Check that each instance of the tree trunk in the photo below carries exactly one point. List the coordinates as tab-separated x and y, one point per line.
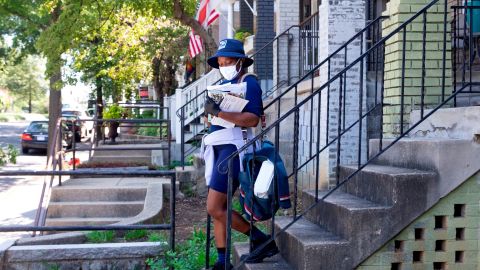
180	15
29	98
169	75
156	78
54	110
99	106
55	98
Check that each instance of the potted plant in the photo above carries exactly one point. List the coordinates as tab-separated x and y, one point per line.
113	112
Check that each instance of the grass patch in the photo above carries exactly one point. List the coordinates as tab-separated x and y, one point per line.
135	235
189	255
100	237
18	117
157	237
3	118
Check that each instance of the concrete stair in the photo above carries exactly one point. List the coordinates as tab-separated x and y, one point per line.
135	156
94	209
86	205
81	193
80	221
343	230
122	158
379	201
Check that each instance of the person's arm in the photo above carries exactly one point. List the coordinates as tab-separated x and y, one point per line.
242	119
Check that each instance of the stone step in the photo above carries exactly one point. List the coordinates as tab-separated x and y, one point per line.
343	214
71	221
94	209
453	160
123	158
276	262
87	194
123	153
385	185
305	245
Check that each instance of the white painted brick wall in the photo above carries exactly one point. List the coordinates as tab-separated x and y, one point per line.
339	21
287	15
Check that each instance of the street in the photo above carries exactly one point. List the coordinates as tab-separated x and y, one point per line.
22	194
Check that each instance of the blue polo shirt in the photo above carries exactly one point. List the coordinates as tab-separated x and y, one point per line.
253	95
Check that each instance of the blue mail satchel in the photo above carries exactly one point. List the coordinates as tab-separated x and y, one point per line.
264	208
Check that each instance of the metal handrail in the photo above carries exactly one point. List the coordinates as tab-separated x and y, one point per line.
88	172
180	112
326	60
253	55
341	131
52	162
162	123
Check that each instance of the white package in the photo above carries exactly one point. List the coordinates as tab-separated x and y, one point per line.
264	179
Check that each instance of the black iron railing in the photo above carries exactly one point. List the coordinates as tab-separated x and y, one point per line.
92	172
307	35
54	169
162	126
349	134
466	45
309	44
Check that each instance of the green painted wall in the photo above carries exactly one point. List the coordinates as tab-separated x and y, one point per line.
455	246
400	11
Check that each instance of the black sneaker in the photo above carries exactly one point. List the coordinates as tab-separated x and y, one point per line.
258	255
221	266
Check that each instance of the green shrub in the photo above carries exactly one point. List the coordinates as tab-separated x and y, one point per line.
241	34
152	129
189	255
8	155
135	235
113	111
148	114
157	237
100	236
18	117
3	118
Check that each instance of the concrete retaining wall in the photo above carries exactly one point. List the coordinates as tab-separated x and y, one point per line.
83	256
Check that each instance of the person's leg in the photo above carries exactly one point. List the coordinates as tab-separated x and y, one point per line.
217	202
217	208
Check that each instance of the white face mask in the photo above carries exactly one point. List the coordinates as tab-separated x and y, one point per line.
230	72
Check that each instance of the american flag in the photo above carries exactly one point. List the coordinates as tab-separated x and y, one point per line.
206	15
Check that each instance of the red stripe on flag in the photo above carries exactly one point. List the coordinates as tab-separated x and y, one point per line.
213	16
195	44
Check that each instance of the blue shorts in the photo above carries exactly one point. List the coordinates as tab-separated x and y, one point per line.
219	180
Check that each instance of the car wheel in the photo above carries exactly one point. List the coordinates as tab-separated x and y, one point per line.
25	150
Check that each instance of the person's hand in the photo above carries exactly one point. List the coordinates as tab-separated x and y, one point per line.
211	107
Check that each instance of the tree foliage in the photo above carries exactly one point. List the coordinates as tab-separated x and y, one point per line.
25	81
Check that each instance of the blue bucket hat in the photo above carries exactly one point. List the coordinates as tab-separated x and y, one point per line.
230	48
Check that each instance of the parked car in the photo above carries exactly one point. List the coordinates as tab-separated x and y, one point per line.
35	136
78	130
87	126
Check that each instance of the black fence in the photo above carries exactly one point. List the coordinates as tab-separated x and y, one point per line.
40	227
54	170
